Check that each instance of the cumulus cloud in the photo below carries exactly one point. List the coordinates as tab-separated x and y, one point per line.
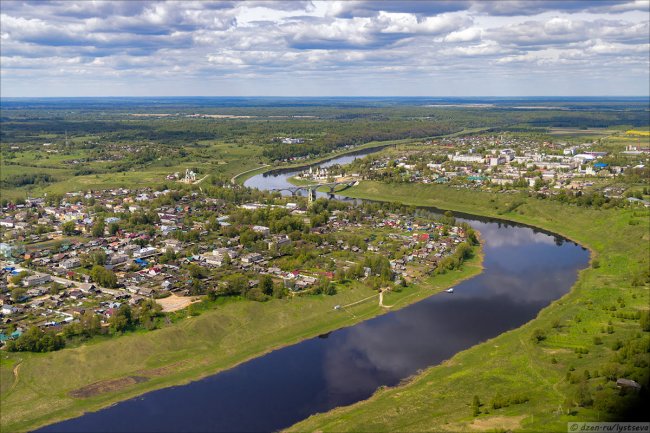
367	32
350	9
466	35
308	44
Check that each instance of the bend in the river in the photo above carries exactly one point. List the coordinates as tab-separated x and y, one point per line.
525	269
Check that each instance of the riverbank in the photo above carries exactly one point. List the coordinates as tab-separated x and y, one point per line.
241	178
99	374
249	173
542	379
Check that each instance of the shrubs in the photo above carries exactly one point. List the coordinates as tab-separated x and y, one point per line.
581	396
103	276
266	285
476	406
256	294
35	340
279	291
463	252
644	321
194	309
499	401
325	286
538	336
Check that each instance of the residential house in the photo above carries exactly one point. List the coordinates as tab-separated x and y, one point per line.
35	280
71	263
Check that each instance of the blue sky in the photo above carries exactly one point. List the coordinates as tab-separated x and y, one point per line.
312	48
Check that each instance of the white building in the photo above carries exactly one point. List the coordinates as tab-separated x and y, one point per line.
262	229
467	158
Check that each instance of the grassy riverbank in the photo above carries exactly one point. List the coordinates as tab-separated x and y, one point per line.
580	332
244	176
35	388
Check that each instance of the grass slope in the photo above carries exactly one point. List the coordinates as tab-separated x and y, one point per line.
188	350
440	398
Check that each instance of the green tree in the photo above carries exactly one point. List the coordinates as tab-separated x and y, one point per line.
113	228
17	293
196	271
16	279
94	257
330	290
266	284
35	340
98	228
122	319
90	323
168	256
68	228
279	291
147	313
103	276
227	261
236	284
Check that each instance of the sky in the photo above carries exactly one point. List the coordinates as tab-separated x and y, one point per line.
325	48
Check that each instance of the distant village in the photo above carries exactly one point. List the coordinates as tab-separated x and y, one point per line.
489	162
93	252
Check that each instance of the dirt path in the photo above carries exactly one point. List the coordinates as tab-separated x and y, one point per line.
16	374
542	378
358	302
381	298
201	180
233	180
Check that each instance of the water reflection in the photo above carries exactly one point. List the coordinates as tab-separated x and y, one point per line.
495	239
345	366
277	179
525	269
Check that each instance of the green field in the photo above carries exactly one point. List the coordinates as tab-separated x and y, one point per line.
216	158
35	389
440	398
219	338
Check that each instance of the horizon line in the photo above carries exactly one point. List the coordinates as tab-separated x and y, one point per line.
327	96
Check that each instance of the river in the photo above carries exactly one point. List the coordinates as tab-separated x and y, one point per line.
525	270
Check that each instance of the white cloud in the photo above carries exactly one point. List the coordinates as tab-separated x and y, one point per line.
482	49
466	35
600	47
306	45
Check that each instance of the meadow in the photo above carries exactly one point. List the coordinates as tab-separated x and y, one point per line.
38	389
523	382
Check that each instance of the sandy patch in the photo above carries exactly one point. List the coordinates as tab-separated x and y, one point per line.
175	303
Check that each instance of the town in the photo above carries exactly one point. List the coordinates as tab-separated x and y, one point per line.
107	261
507	163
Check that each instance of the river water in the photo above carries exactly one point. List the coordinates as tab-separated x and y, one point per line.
525	270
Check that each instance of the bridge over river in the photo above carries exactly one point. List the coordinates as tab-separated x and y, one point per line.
311	189
524	270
